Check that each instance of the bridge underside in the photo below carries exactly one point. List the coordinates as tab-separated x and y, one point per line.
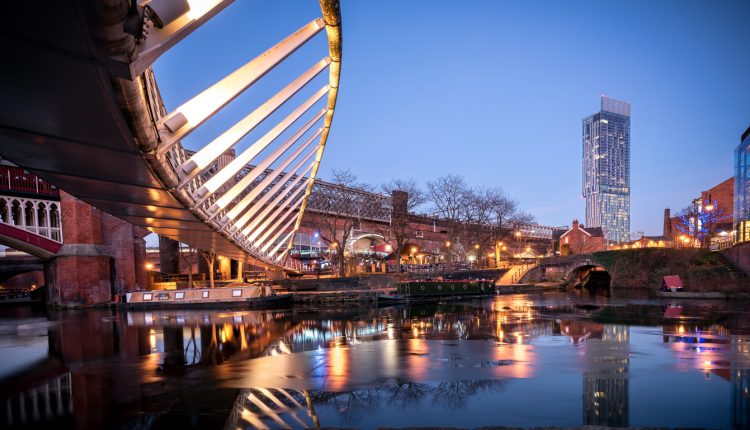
86	147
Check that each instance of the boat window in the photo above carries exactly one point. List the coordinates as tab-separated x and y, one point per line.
163	296
147	297
236	293
205	294
179	295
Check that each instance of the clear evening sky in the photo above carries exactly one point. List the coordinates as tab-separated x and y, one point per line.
496	91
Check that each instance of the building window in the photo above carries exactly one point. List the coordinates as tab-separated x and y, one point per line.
356	225
420	233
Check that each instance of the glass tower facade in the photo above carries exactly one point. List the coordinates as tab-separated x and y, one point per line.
606	169
742	188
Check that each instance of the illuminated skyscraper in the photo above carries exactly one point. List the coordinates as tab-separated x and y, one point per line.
606	169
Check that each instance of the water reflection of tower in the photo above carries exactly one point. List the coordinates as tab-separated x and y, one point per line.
605	381
740	383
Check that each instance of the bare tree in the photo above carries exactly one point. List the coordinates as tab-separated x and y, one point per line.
336	227
699	222
189	257
480	215
448	195
210	259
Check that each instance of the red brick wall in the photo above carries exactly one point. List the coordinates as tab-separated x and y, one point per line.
578	241
723	195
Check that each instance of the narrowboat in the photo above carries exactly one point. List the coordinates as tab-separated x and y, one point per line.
272	301
240	295
438	289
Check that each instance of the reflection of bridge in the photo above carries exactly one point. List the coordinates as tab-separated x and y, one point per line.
89	102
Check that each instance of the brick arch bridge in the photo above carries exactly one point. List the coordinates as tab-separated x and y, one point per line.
567	268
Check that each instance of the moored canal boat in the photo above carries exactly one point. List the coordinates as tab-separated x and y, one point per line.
240	295
272	301
426	290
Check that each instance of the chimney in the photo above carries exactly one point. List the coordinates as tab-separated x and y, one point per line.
400	201
667	230
575	224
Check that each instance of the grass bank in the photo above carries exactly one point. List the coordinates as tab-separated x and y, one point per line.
700	270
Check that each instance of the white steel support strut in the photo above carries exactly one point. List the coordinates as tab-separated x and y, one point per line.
194	112
294	204
269	230
275	237
231	169
276	188
287	238
270	177
258	170
250	233
269	237
204	157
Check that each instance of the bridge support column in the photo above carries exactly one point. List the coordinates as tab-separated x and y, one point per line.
169	255
139	257
82	272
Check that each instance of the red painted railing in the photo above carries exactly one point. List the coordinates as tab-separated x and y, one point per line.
19	180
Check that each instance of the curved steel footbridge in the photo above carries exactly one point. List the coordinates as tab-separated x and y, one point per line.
81	108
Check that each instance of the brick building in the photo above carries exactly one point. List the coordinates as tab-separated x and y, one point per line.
581	240
721	196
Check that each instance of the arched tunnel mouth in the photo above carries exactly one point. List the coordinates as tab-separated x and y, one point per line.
591	277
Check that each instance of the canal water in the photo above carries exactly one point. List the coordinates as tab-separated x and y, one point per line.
516	361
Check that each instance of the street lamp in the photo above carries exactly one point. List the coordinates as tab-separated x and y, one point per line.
709	207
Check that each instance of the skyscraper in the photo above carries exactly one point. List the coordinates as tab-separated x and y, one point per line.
606	169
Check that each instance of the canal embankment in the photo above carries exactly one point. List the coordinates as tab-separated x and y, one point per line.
700	270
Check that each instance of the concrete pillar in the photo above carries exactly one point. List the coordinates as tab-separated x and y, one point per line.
81	273
169	255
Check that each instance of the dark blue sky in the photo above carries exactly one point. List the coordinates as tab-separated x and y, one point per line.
496	91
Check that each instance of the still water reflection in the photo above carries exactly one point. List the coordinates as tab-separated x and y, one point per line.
524	361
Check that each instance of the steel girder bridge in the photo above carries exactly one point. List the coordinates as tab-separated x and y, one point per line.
81	108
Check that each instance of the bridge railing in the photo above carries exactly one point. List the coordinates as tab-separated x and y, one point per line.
16	179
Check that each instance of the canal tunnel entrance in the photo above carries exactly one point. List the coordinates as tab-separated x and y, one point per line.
591	277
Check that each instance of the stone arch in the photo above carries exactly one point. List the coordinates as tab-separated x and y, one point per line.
16	213
4	211
589	275
42	219
29	215
352	242
55	223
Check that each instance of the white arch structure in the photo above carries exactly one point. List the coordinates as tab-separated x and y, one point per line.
121	149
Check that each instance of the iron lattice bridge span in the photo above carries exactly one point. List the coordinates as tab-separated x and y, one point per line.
87	116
